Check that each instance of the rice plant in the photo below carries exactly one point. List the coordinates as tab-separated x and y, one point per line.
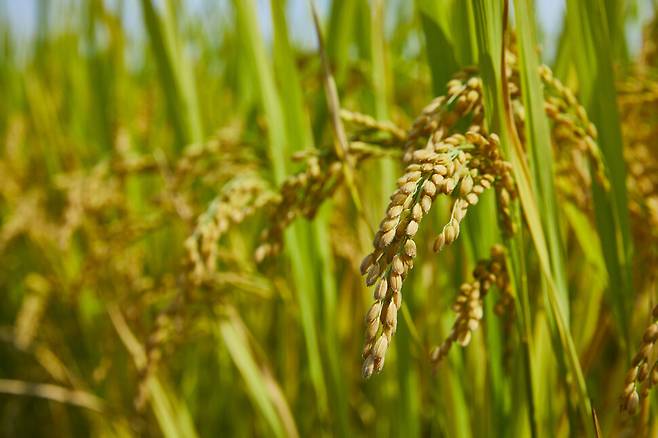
210	213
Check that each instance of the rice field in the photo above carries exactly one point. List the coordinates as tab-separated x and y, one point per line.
344	218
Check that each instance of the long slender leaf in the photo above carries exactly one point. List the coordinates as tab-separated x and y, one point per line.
278	147
597	88
177	79
489	20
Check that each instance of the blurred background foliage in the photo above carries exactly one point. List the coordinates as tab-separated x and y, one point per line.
123	122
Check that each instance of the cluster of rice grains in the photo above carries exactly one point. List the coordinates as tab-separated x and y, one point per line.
459	165
446	151
642	376
239	200
300	195
470	301
443	157
573	136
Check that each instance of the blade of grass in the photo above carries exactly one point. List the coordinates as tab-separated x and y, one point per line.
175	73
299	133
341	144
540	148
585	234
232	332
296	243
340	32
172	415
382	87
541	160
449	44
447	41
596	80
486	14
526	195
52	392
101	87
532	217
488	18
